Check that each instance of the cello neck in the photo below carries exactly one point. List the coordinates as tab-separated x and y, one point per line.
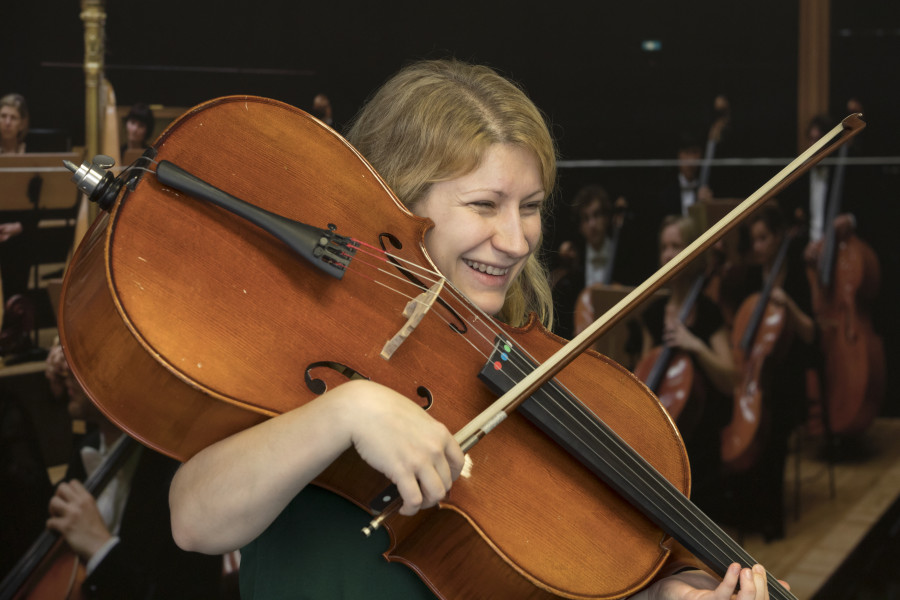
835	191
594	443
760	308
706	166
665	356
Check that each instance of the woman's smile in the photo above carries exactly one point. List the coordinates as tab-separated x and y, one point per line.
488	222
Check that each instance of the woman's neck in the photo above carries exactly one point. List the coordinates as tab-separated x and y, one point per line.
9	146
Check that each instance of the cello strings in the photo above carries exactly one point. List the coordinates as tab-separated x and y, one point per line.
690	519
654	488
643	472
476	315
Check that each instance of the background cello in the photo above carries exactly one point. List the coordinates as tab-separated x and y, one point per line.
50	569
845	280
669	372
759	337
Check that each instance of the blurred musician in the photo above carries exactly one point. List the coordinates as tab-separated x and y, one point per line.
704	337
774	367
845	276
592	258
123	537
13	123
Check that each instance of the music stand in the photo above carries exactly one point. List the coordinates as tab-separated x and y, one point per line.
19	173
707	214
622	342
36	190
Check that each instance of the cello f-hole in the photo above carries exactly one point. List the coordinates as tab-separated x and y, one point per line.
425	394
319	386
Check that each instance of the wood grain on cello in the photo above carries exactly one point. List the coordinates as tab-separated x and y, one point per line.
186	306
844	284
758	338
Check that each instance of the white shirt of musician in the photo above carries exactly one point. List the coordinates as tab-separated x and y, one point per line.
688	193
111	501
596	263
818	194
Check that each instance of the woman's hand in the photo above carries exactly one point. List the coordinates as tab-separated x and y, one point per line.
229	492
396	437
698	585
677	335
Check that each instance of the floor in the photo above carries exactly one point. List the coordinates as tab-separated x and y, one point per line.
826	529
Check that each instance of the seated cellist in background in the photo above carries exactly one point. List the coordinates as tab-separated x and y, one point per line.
704	337
123	537
780	349
845	277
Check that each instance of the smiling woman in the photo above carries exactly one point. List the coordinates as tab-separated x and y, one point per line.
463	146
487	224
435	122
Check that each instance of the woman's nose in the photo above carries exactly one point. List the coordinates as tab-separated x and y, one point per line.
509	235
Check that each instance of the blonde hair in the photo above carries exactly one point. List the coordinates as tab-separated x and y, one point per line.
687	228
689	231
434	121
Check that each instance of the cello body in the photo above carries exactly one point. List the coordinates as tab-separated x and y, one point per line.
853	353
216	326
670	372
680	391
58	577
844	285
744	436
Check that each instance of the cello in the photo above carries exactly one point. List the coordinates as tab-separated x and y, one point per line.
156	314
844	284
758	338
669	372
49	568
722	111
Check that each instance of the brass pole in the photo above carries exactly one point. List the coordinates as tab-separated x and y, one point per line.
93	14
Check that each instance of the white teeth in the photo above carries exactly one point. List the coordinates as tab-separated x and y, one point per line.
487	268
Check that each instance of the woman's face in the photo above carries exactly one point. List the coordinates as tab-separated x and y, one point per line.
137	132
10	122
487	224
765	243
670	243
593	224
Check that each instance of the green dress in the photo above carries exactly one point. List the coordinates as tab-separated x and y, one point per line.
316	549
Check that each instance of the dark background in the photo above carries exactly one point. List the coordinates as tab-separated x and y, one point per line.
581	62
